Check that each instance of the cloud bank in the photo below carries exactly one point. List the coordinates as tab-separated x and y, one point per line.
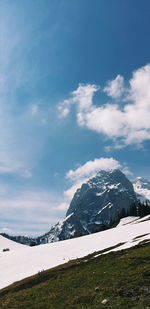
125	120
29	212
88	170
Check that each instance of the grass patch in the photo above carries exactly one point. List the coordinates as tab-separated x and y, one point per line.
122	278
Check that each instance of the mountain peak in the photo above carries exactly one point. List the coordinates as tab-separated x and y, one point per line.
95	205
142	188
111	171
141	179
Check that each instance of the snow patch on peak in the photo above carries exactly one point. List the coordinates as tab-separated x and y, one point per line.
114	186
109	205
142	188
68	217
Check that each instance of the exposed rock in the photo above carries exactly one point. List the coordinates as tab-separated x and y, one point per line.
94	206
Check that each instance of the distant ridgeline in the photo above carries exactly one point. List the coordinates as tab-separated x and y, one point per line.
98	205
29	241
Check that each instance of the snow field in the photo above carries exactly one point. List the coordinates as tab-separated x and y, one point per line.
23	262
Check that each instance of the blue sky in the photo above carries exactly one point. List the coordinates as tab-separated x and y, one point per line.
74	97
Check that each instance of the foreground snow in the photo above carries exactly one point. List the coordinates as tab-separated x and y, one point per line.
7	243
127	220
18	264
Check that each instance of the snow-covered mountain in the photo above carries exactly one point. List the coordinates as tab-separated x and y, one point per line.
142	189
95	206
18	264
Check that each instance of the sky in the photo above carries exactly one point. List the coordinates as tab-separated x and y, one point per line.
74	99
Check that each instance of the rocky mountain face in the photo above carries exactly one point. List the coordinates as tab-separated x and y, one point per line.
96	205
142	189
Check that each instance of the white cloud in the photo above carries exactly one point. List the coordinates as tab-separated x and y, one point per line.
82	96
127	123
61	207
90	168
30	212
115	88
139	86
126	171
107	119
82	173
5	230
137	136
69	193
64	108
8	166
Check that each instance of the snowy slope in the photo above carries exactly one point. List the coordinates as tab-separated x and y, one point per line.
19	264
142	188
127	220
11	245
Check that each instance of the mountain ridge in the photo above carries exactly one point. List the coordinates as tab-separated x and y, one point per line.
95	206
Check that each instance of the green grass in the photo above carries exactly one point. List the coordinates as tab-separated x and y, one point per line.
123	278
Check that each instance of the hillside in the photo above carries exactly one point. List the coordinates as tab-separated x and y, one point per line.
19	264
118	280
9	244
